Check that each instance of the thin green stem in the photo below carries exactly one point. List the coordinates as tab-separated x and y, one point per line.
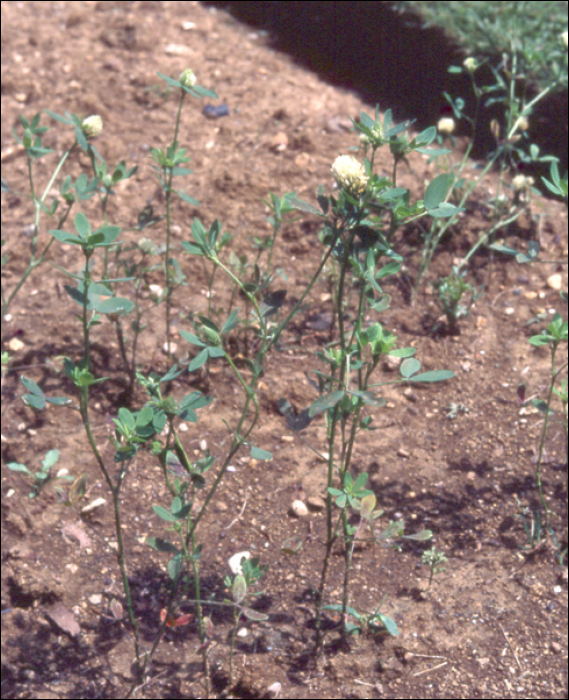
554	374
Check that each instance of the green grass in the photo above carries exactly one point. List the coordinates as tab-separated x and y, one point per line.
491	28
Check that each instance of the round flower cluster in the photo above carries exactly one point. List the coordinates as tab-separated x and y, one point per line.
521	182
445	126
92	126
350	174
470	63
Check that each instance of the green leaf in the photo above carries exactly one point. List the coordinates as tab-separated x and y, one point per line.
65	237
541	340
114	305
239	589
231	322
164	514
272	303
193	339
192	248
82	225
31	386
409	367
183	195
161	545
204	92
389	624
190	404
445	210
292	545
426	137
370	398
254	615
58	400
541	407
325	402
304	206
360	482
17	467
170	81
257	453
402	352
437	191
420	536
175	567
367	505
389	269
36	398
198	360
438	375
50	459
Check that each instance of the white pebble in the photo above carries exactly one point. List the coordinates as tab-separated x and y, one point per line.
235	562
299	509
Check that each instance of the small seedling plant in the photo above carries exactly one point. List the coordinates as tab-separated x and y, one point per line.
455	299
42	477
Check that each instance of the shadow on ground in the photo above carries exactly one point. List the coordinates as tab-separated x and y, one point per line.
388	58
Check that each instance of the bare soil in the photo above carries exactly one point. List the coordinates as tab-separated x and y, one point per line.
494	623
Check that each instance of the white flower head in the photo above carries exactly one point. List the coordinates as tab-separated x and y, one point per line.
350	174
92	126
564	38
521	182
445	125
470	63
188	78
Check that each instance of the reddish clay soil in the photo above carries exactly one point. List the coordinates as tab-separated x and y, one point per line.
494	623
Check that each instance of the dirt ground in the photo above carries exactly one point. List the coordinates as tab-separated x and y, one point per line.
494	623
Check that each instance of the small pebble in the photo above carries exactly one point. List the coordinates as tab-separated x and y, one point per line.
279	142
316	503
235	562
15	345
555	282
215	111
97	503
274	690
299	509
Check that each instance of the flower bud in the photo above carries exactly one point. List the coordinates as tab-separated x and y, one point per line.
92	126
523	123
445	125
495	128
350	174
188	78
212	337
564	38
